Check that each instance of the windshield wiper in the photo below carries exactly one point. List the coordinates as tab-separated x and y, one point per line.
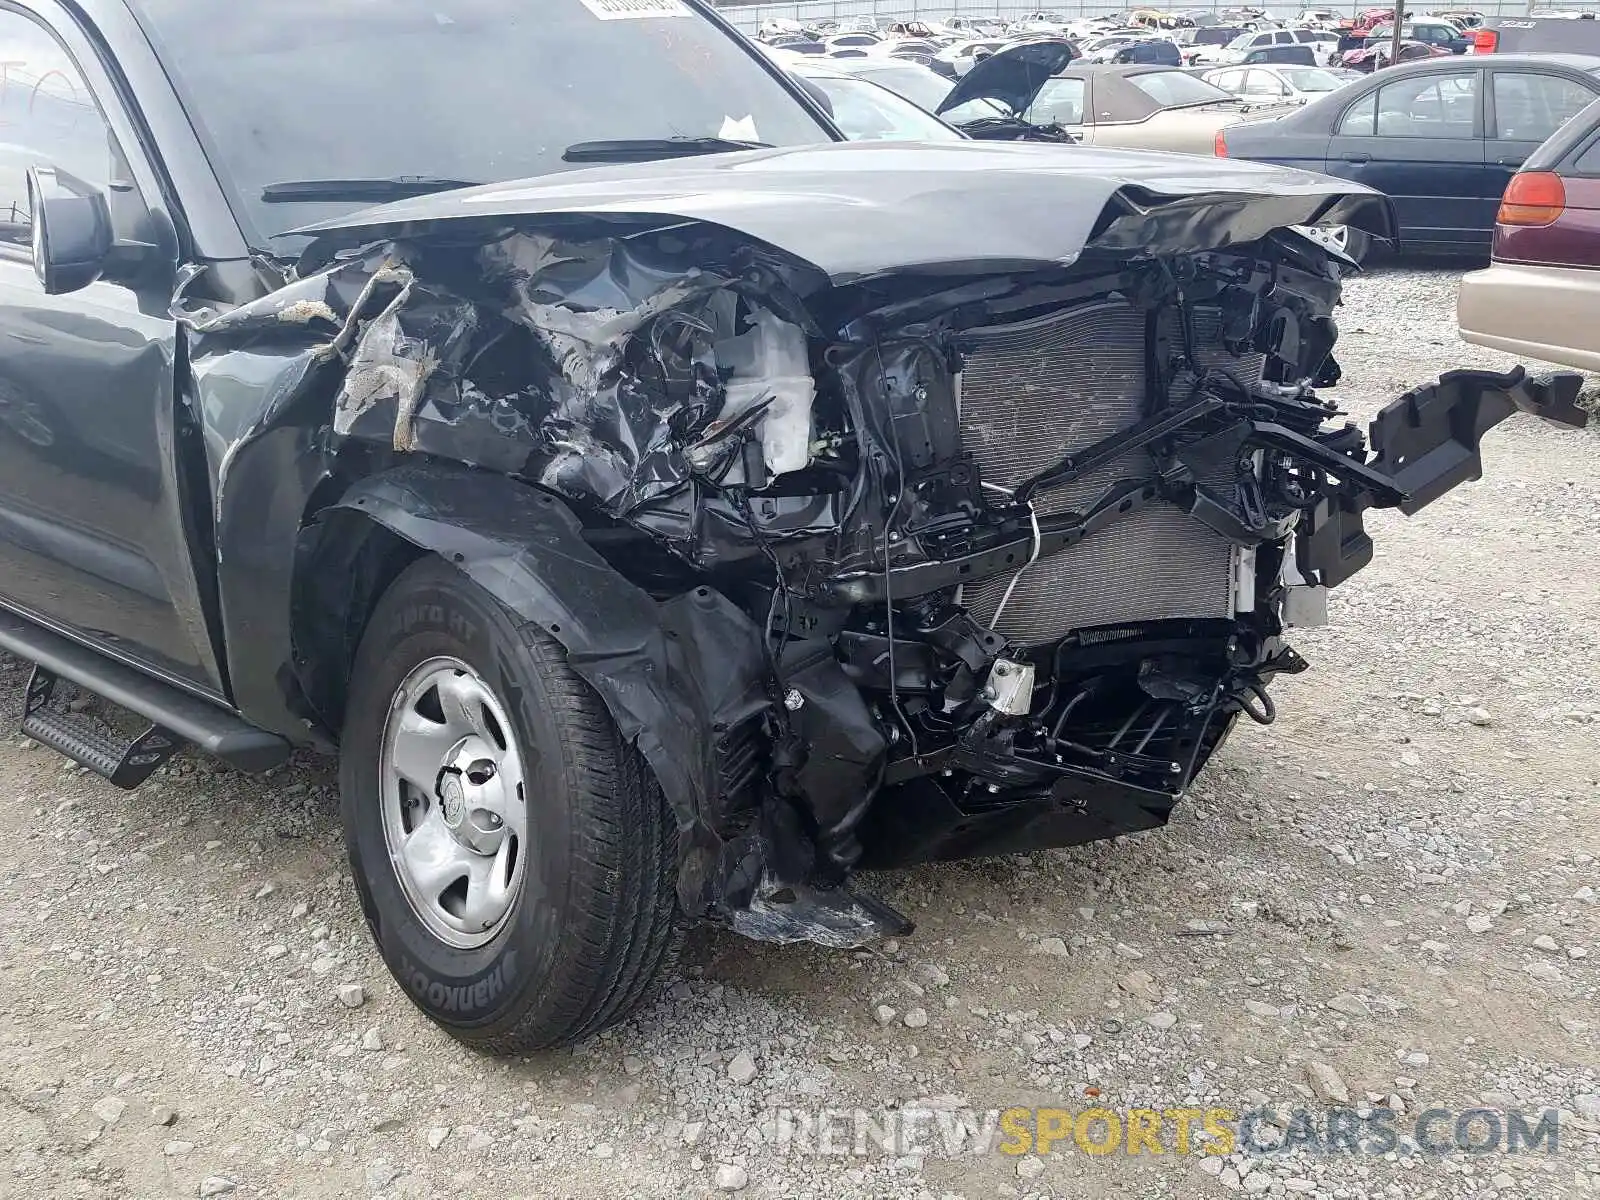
645	149
399	187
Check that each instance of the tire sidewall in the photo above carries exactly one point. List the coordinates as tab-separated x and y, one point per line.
430	613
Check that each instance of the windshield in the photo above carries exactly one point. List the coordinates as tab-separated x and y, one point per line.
1177	87
1059	102
922	87
928	91
473	90
869	113
1312	79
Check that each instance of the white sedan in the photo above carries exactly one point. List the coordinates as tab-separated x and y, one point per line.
959	57
1279	83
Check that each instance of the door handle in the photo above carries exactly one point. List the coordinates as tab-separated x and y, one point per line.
1508	162
1358	158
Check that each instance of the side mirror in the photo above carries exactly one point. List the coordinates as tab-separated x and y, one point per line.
71	223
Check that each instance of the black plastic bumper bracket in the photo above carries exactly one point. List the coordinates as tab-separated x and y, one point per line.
1427	440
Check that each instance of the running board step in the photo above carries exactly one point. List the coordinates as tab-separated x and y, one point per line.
178	715
84	739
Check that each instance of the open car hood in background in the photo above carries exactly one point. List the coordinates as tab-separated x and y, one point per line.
1012	76
855	210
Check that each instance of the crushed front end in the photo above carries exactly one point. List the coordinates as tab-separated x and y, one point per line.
879	566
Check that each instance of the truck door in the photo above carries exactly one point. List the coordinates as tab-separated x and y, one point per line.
93	537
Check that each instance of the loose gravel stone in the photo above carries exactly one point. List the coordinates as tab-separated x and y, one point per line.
742	1069
380	1175
731	1177
1326	1084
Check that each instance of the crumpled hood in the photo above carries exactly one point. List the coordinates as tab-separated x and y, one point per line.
858	210
1012	76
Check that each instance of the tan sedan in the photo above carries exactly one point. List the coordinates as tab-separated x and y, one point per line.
1137	107
1540	296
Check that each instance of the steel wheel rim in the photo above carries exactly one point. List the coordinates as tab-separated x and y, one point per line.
454	806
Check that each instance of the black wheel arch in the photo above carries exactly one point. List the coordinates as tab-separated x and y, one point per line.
673	674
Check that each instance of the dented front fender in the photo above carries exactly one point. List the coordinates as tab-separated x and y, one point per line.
674	674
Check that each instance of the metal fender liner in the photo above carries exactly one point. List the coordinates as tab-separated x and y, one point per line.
673	674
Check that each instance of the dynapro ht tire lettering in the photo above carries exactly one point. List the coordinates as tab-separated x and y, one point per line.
514	858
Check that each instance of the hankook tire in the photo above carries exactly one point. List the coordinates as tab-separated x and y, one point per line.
515	858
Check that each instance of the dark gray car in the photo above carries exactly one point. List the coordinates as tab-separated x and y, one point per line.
614	520
1441	137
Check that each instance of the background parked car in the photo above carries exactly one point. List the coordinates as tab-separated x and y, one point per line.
976	27
1247	18
858	42
1317	18
1292	55
1441	34
1277	84
1540	296
918	84
1441	138
1374	56
1149	108
866	111
914	50
1159	51
1100	49
1324	45
956	59
1203	45
796	43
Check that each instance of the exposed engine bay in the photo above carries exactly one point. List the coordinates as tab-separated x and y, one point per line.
920	566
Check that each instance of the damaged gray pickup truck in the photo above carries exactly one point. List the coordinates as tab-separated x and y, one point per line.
673	537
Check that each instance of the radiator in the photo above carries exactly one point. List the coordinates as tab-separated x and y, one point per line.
1035	391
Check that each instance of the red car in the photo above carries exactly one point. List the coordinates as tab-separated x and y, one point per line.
1540	295
1369	58
1373	16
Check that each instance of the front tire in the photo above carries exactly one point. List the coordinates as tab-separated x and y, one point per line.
514	857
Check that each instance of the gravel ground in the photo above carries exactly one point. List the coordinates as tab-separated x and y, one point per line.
1392	890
